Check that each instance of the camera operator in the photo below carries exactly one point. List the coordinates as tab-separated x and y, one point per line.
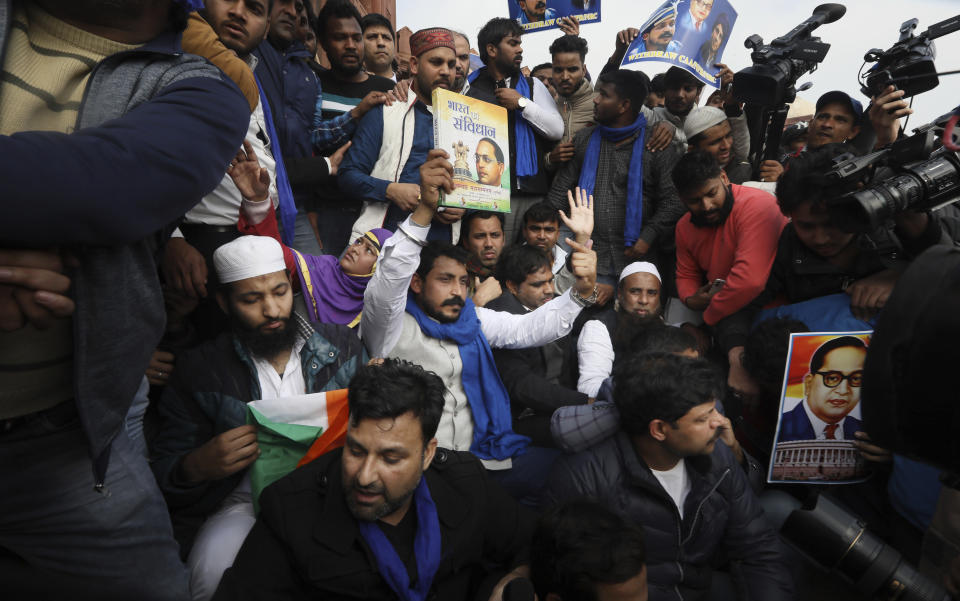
816	258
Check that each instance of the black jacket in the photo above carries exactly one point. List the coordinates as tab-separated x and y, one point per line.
306	544
533	398
722	518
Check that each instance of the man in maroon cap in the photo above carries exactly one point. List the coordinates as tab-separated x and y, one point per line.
391	142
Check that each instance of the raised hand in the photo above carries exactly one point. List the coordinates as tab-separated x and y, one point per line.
569	25
580	220
251	179
584	266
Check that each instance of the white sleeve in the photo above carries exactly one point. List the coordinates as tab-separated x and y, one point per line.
536	328
542	113
385	299
595	357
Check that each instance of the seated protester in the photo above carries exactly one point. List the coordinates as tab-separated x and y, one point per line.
416	307
389	516
391	144
540	228
815	258
637	204
583	551
332	288
638	296
730	233
531	375
665	471
202	446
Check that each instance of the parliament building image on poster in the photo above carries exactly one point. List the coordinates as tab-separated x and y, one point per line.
820	410
474	134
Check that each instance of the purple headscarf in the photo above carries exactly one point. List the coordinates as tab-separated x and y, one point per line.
334	296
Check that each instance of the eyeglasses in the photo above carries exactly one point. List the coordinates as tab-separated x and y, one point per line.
482	158
704	3
832	379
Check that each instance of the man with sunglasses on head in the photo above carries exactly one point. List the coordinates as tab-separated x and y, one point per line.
831	390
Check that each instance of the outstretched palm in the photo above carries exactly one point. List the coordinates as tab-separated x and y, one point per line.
580	220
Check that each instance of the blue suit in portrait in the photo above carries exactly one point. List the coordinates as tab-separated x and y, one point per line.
795	425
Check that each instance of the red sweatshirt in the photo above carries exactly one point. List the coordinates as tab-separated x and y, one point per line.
741	251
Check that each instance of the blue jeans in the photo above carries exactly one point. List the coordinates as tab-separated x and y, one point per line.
113	544
526	479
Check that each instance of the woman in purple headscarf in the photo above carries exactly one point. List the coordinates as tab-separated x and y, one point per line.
332	288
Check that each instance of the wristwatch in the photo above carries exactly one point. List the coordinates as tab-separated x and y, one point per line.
523	102
585	302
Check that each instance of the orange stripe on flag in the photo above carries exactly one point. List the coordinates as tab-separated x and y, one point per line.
338	413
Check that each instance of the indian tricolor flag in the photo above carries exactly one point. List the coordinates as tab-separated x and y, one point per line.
293	431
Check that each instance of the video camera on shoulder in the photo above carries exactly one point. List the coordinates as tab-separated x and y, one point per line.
908	64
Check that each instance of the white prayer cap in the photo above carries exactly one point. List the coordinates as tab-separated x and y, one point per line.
701	119
248	257
640	267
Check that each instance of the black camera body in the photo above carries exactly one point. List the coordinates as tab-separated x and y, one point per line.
914	173
908	64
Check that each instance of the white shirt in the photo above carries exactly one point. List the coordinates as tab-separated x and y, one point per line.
595	357
275	386
820	426
676	482
542	113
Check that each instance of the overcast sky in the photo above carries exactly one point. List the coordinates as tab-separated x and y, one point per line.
867	24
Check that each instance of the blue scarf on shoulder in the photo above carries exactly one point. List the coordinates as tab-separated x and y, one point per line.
588	172
426	549
526	148
493	435
288	207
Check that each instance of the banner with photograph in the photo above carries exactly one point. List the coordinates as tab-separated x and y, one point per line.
820	410
690	34
538	15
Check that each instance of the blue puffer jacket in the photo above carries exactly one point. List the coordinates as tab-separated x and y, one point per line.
208	395
722	519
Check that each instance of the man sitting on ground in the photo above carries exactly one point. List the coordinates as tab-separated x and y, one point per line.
203	447
665	471
416	308
388	516
541	229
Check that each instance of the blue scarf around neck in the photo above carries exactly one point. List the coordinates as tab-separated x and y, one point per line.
493	435
288	207
525	151
588	171
426	549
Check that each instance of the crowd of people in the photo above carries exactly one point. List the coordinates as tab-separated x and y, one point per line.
574	400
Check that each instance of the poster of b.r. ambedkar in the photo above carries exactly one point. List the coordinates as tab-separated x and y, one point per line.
537	15
820	410
690	34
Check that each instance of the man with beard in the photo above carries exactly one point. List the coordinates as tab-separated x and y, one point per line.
667	470
203	447
681	93
347	88
379	46
100	106
730	233
375	171
574	94
637	204
659	30
638	299
415	307
533	120
534	11
388	516
461	46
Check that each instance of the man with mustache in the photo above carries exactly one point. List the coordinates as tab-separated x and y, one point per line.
533	121
667	470
347	88
416	308
391	515
659	31
534	11
203	446
391	143
574	94
730	233
831	390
